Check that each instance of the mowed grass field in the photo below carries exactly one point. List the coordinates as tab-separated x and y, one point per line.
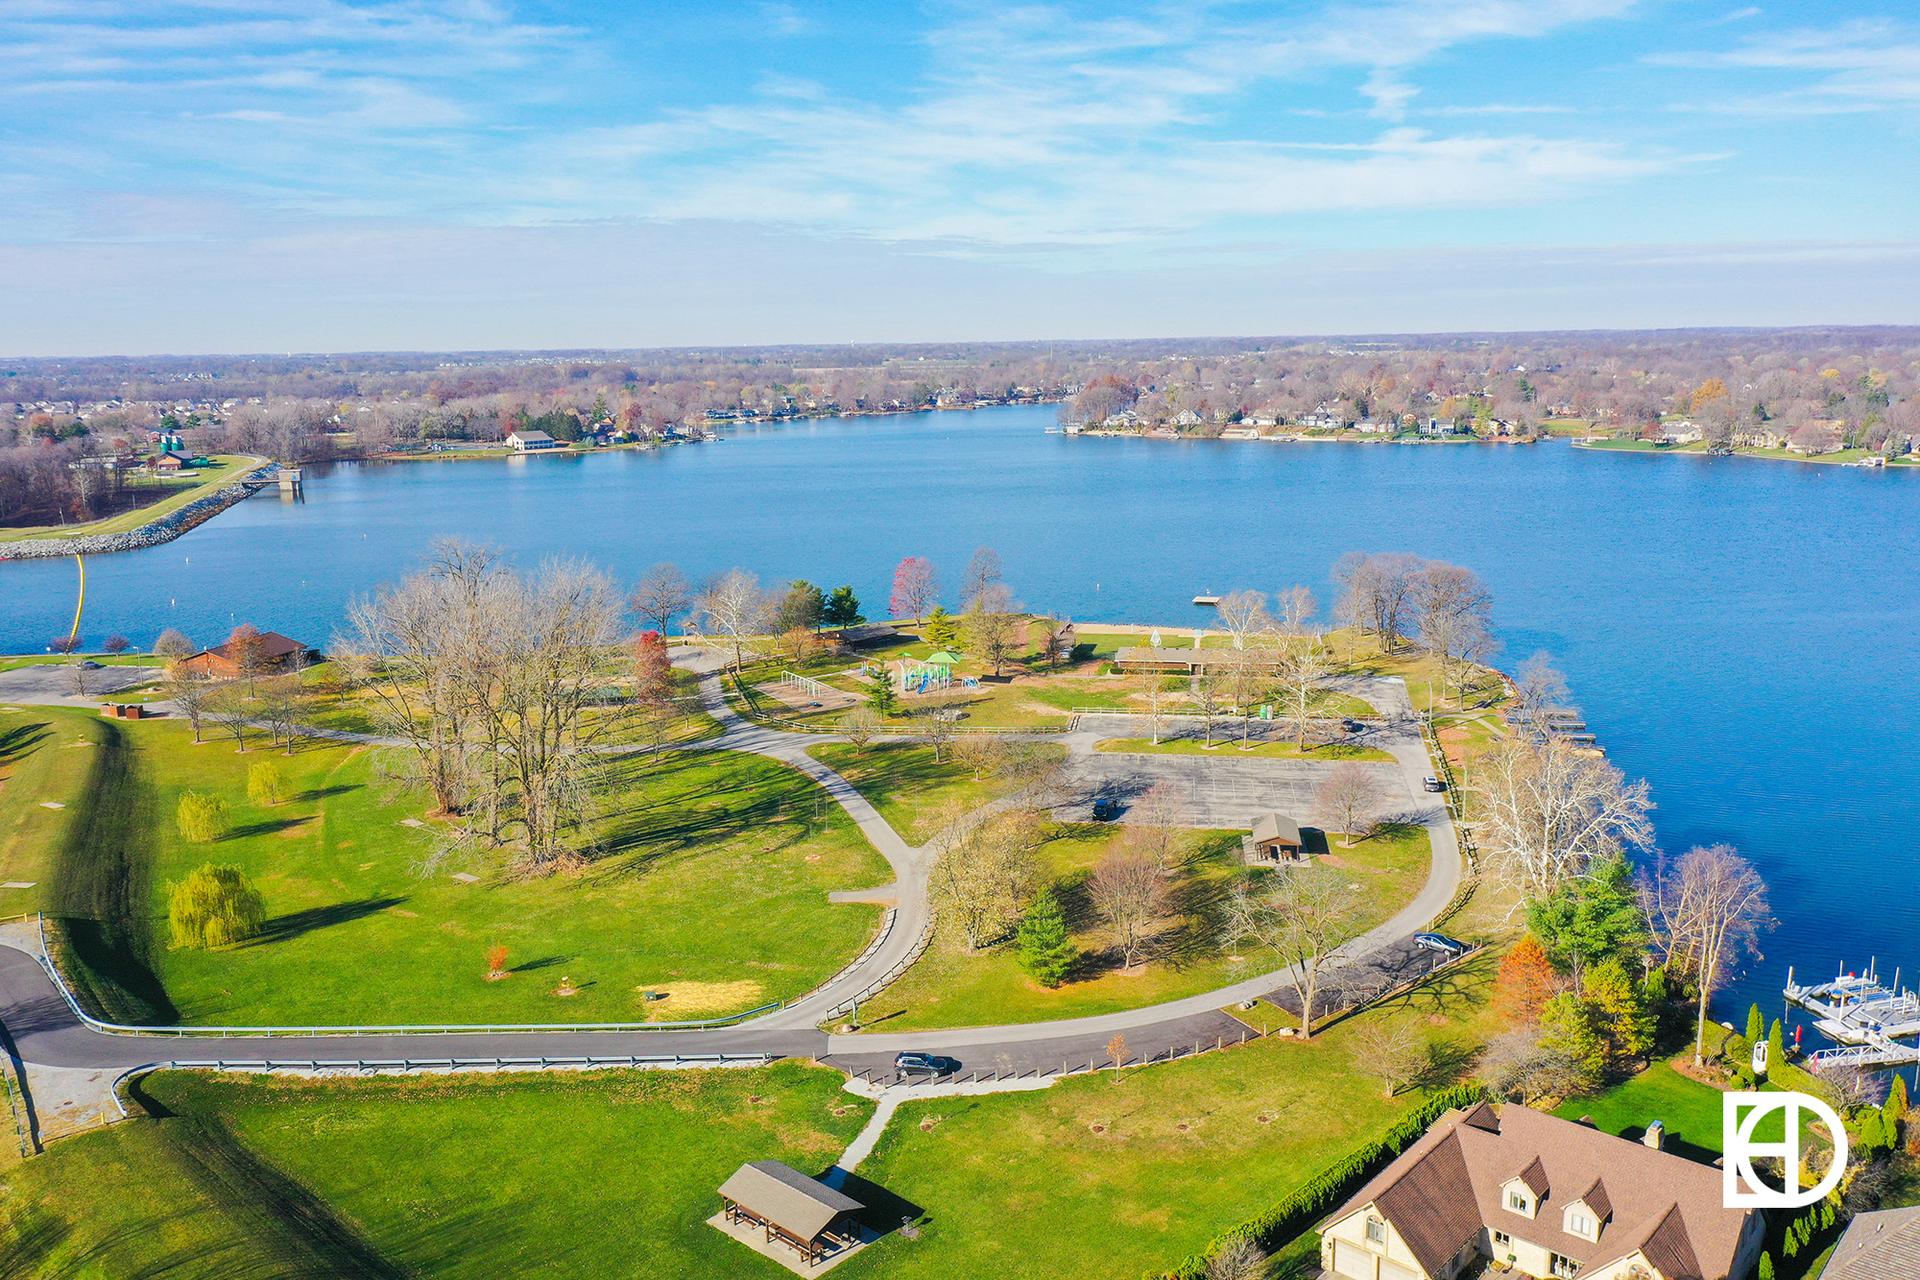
953	987
42	761
709	882
560	1175
912	790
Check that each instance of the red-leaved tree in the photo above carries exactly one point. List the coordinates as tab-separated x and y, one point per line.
652	671
1525	982
915	588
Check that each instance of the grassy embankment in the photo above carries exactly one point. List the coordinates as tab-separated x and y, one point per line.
710	882
954	987
192	485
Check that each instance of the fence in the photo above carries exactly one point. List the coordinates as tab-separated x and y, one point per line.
453	1028
886	979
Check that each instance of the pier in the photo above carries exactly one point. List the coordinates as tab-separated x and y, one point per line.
1866	1018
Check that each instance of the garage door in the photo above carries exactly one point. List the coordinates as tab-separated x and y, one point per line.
1394	1271
1351	1261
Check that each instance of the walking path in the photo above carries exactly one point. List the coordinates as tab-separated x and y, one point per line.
46	1034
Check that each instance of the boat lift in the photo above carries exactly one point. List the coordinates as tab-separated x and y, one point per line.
1865	1018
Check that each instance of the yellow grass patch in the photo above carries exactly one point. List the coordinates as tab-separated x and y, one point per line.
698	999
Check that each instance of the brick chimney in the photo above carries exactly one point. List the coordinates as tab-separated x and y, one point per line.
1655	1136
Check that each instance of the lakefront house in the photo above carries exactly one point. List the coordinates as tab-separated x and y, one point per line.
1532	1195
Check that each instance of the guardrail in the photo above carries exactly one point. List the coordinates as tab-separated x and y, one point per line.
372	1029
887	979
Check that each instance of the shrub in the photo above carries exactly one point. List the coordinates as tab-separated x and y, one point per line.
214	907
496	962
266	784
202	818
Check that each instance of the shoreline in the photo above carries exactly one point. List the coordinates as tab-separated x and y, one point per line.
1337	438
1589	445
161	529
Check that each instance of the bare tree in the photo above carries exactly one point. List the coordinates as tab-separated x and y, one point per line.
173	646
1296	607
662	592
1129	892
993	628
1351	797
984	874
1204	686
79	680
231	707
937	730
1516	1065
1376	593
733	606
1708	909
1390	1050
1299	918
1452	609
1237	1259
1549	811
281	706
188	694
1302	671
1539	687
859	725
1153	823
1246	672
983	571
1242	613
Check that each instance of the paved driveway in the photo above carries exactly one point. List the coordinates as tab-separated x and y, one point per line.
53	683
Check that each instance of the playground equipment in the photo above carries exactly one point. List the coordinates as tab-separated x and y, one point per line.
931	674
806	684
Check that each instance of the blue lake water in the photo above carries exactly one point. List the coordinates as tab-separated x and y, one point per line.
1744	634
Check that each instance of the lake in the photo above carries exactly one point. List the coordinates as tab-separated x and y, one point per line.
1745	634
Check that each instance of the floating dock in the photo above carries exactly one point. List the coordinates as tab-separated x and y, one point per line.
1208	600
1865	1017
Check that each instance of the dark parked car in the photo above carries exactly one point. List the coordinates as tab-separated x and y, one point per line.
929	1062
1440	942
90	665
1106	810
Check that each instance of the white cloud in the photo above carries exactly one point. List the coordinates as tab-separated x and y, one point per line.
1861	65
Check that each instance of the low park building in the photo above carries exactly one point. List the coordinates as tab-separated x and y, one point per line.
1187	659
530	441
271	653
1538	1196
1274	840
771	1206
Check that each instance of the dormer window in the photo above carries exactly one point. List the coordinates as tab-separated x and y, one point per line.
1580	1223
1518	1202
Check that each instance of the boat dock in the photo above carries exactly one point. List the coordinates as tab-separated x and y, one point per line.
1206	600
1864	1016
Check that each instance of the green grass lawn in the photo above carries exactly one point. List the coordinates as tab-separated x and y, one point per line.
1689	1109
1228	746
1090	1178
911	791
600	1174
193	485
952	987
41	760
710	883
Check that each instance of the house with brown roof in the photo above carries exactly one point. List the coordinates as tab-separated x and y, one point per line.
1878	1246
270	653
1546	1197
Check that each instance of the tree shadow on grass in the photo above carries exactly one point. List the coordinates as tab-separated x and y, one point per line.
18	742
294	924
544	962
328	792
774	810
272	826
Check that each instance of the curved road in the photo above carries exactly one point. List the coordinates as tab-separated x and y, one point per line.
45	1032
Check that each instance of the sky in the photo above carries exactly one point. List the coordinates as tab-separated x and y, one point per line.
316	175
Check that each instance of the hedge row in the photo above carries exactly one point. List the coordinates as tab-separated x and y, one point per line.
1296	1212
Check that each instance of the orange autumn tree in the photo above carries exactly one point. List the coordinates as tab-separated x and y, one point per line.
1525	982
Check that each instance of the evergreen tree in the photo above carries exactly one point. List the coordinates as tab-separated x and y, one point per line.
1776	1047
1591	918
842	608
942	629
1895	1109
1618	1013
881	695
801	608
1756	1024
1567	1027
1046	950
